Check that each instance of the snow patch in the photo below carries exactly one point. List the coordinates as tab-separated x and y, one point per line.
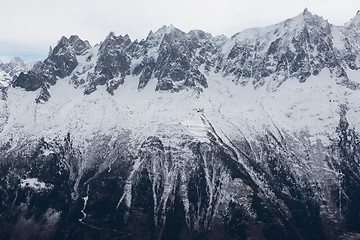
35	184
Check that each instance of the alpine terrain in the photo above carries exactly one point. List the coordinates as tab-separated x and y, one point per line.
187	136
10	70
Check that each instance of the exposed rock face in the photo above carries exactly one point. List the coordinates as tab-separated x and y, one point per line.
59	64
296	48
113	64
201	137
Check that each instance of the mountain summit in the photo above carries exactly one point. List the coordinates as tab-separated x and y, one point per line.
187	136
296	48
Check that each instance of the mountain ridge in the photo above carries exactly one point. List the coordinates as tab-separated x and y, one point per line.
283	47
186	136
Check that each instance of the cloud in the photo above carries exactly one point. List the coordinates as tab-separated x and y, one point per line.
31	26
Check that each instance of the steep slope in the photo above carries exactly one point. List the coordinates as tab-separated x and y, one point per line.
187	136
59	64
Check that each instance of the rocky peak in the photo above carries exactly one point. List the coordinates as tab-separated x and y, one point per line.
164	35
62	60
113	63
166	30
59	64
73	44
151	40
116	43
306	20
173	34
78	45
307	14
63	41
109	43
295	48
176	63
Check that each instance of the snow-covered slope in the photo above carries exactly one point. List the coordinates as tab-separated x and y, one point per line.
187	136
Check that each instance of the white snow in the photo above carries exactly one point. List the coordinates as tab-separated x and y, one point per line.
35	184
85	199
311	106
338	38
4	83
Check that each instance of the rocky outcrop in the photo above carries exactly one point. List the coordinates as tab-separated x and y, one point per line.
59	64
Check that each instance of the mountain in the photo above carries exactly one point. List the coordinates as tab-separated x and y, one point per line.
10	70
187	136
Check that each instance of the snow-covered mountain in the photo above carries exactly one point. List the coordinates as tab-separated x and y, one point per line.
10	70
187	136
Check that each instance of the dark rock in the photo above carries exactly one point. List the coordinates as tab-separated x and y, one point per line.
59	64
113	62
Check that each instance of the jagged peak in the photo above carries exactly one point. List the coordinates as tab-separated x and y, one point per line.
76	38
113	42
150	35
73	43
169	31
173	34
112	36
307	18
78	45
61	44
166	29
294	24
165	32
307	13
50	51
73	38
63	41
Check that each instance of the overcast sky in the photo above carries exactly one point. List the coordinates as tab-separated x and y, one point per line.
28	28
